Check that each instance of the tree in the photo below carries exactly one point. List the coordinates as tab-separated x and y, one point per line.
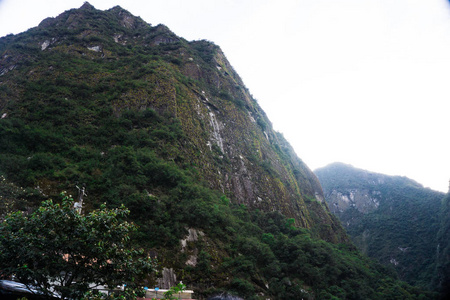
57	249
177	289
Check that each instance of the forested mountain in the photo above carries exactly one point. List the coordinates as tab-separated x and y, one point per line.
442	276
139	116
391	218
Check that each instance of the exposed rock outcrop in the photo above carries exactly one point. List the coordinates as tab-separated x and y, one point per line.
391	218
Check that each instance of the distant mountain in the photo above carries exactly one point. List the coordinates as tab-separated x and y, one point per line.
393	219
137	115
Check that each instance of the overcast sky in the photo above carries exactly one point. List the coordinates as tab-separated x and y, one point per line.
364	82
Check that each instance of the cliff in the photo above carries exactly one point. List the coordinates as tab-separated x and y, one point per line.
132	65
131	113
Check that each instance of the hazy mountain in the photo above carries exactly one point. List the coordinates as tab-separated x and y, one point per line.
140	116
393	219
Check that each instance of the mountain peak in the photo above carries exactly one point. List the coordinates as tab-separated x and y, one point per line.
167	127
87	6
393	211
252	173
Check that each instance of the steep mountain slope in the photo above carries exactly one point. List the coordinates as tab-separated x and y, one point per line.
391	218
140	116
116	61
442	280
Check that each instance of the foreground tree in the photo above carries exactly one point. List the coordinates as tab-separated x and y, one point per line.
57	249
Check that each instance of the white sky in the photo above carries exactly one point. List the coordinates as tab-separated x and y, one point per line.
364	82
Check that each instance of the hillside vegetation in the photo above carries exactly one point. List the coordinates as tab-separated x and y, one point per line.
144	118
390	218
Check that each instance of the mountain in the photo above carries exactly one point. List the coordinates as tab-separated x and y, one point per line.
115	61
105	103
391	218
442	276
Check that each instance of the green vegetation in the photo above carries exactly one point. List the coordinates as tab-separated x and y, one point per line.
259	252
171	294
132	123
84	101
442	276
57	249
400	231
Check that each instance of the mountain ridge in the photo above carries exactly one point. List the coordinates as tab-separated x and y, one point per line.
139	116
211	106
391	218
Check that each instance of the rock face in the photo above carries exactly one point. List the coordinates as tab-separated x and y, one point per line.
141	117
229	139
390	218
363	201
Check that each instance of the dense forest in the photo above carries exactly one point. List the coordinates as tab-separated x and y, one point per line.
140	117
392	219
